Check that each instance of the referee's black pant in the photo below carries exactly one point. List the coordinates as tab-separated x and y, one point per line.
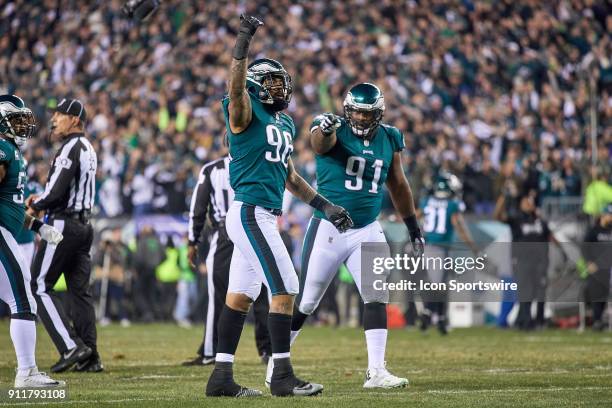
218	266
71	257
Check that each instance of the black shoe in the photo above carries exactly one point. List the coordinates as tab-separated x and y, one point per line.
598	325
199	361
293	386
424	322
221	384
91	365
71	357
442	327
284	383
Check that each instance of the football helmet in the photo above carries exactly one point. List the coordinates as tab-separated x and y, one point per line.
368	101
447	185
268	80
16	120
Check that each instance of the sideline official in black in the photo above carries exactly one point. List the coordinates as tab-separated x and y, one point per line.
212	197
67	202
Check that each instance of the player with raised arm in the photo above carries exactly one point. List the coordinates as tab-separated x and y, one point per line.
355	155
260	139
16	126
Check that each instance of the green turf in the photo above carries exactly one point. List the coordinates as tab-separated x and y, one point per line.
481	367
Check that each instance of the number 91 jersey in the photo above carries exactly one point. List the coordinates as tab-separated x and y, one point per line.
353	172
12	206
259	156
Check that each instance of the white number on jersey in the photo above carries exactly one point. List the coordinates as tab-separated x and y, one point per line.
21	178
275	139
357	183
435	219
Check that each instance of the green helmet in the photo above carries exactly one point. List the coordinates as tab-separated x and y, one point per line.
447	185
16	120
366	98
260	77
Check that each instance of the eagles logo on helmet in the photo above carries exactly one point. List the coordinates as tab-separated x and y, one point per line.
447	185
16	120
270	82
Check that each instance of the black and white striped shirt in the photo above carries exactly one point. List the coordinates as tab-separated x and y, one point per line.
72	179
212	196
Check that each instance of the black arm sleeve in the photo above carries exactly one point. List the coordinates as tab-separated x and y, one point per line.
200	201
64	168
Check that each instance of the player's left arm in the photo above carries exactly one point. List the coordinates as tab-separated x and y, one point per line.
46	232
403	201
303	191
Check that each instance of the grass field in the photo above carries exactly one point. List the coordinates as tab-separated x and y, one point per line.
481	367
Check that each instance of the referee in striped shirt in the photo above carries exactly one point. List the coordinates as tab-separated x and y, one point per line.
67	202
212	197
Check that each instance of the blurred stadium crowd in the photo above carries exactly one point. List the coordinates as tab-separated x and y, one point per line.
500	93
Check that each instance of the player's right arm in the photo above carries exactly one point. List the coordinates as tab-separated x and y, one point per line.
323	132
239	108
2	171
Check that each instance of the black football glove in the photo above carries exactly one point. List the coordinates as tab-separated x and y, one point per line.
416	237
418	246
329	123
249	24
339	217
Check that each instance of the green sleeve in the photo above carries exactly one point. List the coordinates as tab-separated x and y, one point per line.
398	140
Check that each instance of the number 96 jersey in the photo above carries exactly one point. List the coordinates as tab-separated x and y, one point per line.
353	172
259	156
12	206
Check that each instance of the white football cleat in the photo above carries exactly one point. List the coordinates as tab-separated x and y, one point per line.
269	371
382	378
36	379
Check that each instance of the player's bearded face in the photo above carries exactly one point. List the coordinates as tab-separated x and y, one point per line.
364	119
23	124
276	87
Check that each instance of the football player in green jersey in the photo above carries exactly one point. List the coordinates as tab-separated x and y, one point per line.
16	126
442	213
260	142
356	155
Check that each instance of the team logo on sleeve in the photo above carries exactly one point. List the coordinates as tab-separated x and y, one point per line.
64	162
2	155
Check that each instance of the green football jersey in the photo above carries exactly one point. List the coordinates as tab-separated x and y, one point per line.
437	223
353	172
259	156
25	235
12	203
